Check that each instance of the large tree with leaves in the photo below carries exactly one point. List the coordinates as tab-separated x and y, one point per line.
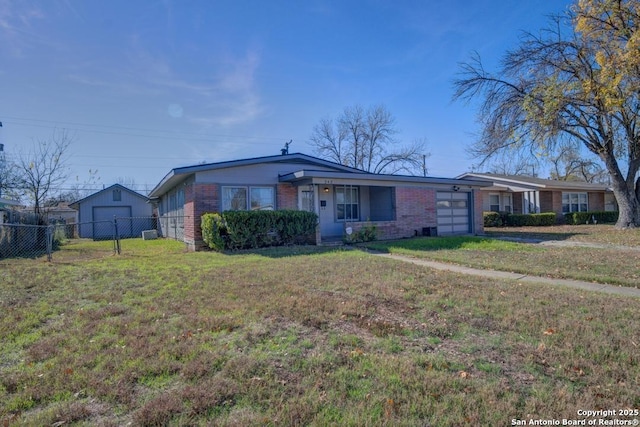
365	139
577	81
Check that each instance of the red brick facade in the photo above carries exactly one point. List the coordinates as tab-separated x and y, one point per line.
286	196
198	200
415	210
551	201
477	217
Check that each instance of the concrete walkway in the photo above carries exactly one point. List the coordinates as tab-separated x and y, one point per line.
577	284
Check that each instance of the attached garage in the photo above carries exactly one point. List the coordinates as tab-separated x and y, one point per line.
453	212
117	206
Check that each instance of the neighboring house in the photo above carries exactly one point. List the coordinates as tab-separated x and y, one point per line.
6	208
524	194
62	212
97	211
344	198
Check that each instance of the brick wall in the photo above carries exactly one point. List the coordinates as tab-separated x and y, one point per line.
286	196
556	206
198	200
596	201
517	203
478	219
546	201
551	201
415	209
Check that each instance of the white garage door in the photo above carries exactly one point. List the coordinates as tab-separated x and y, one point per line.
103	221
453	212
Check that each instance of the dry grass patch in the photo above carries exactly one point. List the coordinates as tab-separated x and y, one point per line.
298	337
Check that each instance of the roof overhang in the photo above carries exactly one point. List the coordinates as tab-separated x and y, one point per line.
7	202
305	176
516	184
177	175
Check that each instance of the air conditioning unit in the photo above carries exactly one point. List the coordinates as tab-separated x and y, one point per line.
430	231
149	234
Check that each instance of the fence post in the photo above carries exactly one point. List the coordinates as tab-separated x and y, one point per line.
49	239
116	236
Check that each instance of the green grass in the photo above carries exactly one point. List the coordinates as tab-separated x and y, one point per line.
300	336
605	264
603	234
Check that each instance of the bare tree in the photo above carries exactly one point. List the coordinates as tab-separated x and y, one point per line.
41	171
365	139
512	162
569	165
7	177
577	81
127	181
76	191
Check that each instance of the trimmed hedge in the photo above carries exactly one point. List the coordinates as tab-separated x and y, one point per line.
531	220
214	230
257	229
498	219
576	218
492	219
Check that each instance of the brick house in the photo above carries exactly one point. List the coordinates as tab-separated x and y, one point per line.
344	198
524	194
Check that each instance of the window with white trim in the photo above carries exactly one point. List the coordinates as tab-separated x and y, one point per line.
574	202
347	207
494	202
261	198
240	198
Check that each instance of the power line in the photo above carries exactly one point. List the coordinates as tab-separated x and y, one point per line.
86	127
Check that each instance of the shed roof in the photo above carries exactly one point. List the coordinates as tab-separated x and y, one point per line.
77	203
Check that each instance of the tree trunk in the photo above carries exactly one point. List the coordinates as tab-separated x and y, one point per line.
628	206
625	192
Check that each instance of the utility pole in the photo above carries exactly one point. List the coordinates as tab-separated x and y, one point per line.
2	162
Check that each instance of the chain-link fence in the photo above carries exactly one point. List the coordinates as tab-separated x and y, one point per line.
29	241
32	241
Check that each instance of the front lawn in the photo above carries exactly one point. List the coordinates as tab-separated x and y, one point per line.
605	234
299	336
611	265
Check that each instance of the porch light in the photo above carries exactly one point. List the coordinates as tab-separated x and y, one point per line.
456	188
325	189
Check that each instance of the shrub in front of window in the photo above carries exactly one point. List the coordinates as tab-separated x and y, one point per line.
214	231
256	229
576	218
531	220
492	219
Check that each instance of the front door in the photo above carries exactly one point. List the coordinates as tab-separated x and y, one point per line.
319	199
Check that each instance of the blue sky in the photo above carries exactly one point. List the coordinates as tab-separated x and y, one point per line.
145	86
